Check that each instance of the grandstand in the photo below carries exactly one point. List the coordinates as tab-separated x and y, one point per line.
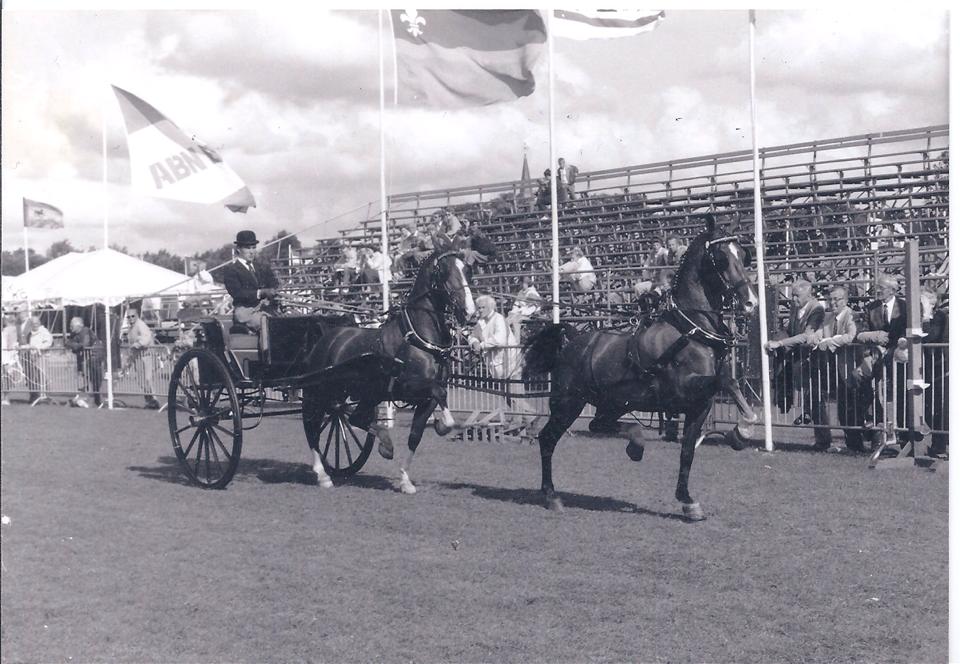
835	211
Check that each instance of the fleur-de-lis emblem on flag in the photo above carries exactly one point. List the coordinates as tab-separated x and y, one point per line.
414	22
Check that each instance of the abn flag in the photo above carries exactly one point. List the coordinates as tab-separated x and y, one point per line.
463	58
166	163
604	23
41	215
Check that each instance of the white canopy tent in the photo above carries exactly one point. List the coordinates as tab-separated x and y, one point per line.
104	276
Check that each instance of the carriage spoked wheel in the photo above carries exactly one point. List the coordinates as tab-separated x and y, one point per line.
205	419
343	447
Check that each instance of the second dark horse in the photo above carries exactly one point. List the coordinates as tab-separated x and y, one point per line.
674	365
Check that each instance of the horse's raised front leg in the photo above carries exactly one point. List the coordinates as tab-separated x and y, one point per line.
420	416
564	410
692	426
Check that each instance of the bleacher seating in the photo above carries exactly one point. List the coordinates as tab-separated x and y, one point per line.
834	211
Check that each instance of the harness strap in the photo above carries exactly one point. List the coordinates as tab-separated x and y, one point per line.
412	337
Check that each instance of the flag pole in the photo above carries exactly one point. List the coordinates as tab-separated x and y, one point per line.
108	341
26	249
758	244
384	240
554	219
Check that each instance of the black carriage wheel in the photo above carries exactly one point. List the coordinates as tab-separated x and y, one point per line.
343	447
205	419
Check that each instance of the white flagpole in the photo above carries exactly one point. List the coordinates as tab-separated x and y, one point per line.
384	240
26	250
554	219
758	244
108	342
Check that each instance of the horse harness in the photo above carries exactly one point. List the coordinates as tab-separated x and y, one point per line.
689	331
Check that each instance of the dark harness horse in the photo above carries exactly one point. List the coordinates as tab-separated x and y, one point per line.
674	365
404	360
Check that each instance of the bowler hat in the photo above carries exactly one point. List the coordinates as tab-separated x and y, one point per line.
247	239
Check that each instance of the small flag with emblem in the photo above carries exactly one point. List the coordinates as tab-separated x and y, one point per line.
41	215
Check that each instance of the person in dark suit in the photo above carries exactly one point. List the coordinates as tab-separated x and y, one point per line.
793	370
253	287
566	177
885	322
936	323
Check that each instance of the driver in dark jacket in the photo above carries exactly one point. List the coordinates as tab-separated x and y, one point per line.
252	287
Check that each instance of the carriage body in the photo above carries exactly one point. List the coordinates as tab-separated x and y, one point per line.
231	376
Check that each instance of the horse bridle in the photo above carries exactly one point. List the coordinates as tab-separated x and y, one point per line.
414	337
729	289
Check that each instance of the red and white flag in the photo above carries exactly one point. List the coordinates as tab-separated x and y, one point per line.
604	23
462	58
166	163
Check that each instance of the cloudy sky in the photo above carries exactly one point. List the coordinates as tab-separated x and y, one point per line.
291	101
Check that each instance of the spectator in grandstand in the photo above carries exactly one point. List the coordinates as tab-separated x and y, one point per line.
658	257
580	271
90	354
566	177
884	322
406	257
834	362
495	341
792	371
253	287
11	342
525	306
476	247
371	264
451	224
38	341
346	268
543	192
141	340
675	250
652	294
936	403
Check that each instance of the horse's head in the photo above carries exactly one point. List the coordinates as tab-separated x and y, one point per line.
725	264
449	282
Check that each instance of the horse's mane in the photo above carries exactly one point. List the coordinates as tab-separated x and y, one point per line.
691	257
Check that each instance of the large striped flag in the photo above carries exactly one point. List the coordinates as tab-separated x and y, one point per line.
166	163
604	23
461	58
41	215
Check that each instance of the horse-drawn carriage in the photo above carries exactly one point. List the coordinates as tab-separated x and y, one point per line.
229	377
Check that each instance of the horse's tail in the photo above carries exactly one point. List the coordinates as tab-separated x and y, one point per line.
541	352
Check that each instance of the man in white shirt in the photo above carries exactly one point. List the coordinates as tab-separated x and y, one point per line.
495	341
580	271
11	341
141	358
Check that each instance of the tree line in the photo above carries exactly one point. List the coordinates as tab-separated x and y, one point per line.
12	263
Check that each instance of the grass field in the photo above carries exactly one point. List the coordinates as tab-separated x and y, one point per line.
110	557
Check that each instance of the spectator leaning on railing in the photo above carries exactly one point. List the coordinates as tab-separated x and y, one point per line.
885	320
141	340
11	341
834	362
792	372
936	324
89	351
39	340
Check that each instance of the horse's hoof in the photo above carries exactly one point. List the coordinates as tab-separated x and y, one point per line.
554	504
406	486
635	451
736	440
323	480
693	512
384	444
441	428
601	426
